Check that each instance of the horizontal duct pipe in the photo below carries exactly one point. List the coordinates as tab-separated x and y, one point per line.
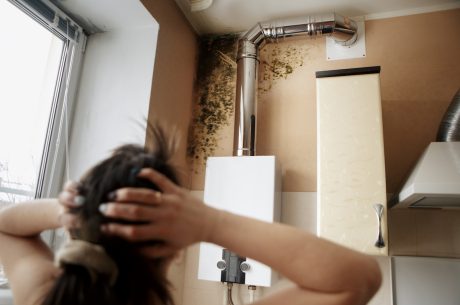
342	30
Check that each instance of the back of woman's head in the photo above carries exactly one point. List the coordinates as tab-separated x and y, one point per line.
133	278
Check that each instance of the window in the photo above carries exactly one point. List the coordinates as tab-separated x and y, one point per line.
40	52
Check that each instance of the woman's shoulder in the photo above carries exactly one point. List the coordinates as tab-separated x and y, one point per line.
40	283
29	267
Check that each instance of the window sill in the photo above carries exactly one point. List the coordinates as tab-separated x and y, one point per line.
6	297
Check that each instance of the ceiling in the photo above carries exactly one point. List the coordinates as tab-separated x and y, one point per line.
233	16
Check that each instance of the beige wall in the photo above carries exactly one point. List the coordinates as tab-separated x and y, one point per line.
420	73
174	75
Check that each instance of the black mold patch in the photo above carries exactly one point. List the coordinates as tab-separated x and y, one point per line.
216	83
278	62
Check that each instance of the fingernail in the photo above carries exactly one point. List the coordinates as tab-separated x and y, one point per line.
79	200
112	195
133	174
104	228
103	208
141	170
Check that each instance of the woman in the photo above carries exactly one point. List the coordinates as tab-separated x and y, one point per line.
133	221
93	268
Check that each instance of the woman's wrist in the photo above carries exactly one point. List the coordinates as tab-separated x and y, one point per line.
55	214
30	218
48	213
212	218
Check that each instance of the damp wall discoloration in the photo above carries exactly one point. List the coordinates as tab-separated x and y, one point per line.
214	104
279	60
213	117
420	72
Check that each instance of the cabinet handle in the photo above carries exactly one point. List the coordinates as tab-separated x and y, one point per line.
380	243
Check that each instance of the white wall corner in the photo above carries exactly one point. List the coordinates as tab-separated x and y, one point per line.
113	97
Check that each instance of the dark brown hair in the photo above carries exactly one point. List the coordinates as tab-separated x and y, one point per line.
140	280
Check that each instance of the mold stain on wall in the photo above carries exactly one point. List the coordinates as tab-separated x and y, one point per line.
214	105
278	61
216	83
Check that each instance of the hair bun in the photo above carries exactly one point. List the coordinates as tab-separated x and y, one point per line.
91	256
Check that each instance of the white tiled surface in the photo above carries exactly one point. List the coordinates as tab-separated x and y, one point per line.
198	291
425	232
298	209
176	277
384	295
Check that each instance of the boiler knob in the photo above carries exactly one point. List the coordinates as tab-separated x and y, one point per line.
221	265
245	267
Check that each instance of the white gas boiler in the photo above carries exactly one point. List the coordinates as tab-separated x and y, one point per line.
248	186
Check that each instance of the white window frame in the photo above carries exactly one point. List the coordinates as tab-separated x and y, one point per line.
53	163
55	156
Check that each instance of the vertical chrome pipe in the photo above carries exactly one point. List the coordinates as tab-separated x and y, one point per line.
245	107
341	29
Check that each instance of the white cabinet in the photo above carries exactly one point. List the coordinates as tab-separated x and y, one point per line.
351	166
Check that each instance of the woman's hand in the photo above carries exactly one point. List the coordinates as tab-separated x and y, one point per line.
68	199
173	215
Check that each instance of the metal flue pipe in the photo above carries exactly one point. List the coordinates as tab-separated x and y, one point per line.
449	129
342	30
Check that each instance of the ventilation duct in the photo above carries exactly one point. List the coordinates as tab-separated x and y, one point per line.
435	180
342	30
199	5
449	129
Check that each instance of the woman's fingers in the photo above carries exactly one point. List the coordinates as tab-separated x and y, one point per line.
138	195
70	200
71	187
135	232
134	212
171	240
172	215
166	185
69	197
66	198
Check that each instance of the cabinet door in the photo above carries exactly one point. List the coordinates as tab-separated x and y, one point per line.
351	168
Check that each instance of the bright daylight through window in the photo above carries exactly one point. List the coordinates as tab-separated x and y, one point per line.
36	58
29	59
